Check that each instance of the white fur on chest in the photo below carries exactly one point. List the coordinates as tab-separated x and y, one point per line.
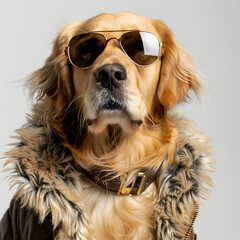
116	217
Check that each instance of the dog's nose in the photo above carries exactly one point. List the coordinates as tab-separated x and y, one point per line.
111	75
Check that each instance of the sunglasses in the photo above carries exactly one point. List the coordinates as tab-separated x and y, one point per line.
142	47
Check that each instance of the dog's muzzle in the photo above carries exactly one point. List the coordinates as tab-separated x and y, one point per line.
110	105
110	78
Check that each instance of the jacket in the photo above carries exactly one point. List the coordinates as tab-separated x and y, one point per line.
46	206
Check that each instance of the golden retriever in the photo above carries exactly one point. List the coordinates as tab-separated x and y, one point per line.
107	91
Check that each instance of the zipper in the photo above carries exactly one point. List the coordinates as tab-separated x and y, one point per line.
189	230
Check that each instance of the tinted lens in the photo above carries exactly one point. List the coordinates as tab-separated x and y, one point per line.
85	48
142	47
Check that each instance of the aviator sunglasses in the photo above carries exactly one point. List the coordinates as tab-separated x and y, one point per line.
142	47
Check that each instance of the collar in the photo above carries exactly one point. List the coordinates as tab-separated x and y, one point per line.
117	185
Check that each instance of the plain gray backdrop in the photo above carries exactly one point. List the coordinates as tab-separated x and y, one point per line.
208	29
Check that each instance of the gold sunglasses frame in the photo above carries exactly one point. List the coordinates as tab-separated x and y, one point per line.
160	54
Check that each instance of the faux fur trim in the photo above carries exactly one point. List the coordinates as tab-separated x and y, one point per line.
183	184
49	180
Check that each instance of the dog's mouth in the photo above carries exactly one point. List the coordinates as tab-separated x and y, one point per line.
113	117
111	109
112	104
111	113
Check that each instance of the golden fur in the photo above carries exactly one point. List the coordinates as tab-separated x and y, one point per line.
65	91
64	97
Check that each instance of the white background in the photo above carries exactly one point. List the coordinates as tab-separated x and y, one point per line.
208	29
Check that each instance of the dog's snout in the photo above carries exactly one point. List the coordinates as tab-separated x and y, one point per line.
111	75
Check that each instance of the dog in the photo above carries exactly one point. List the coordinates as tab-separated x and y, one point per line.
103	152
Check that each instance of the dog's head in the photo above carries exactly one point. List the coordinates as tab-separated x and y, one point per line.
113	89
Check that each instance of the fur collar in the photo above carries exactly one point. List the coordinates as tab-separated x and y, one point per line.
49	181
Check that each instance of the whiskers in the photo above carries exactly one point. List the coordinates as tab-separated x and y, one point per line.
70	104
75	118
149	117
81	120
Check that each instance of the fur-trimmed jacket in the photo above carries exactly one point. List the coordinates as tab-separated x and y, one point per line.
49	203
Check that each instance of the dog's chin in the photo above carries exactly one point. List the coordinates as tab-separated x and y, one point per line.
113	117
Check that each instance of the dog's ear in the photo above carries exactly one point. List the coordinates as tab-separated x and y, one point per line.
178	73
51	85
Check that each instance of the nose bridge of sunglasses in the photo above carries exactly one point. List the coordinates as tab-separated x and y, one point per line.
112	45
112	37
111	34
